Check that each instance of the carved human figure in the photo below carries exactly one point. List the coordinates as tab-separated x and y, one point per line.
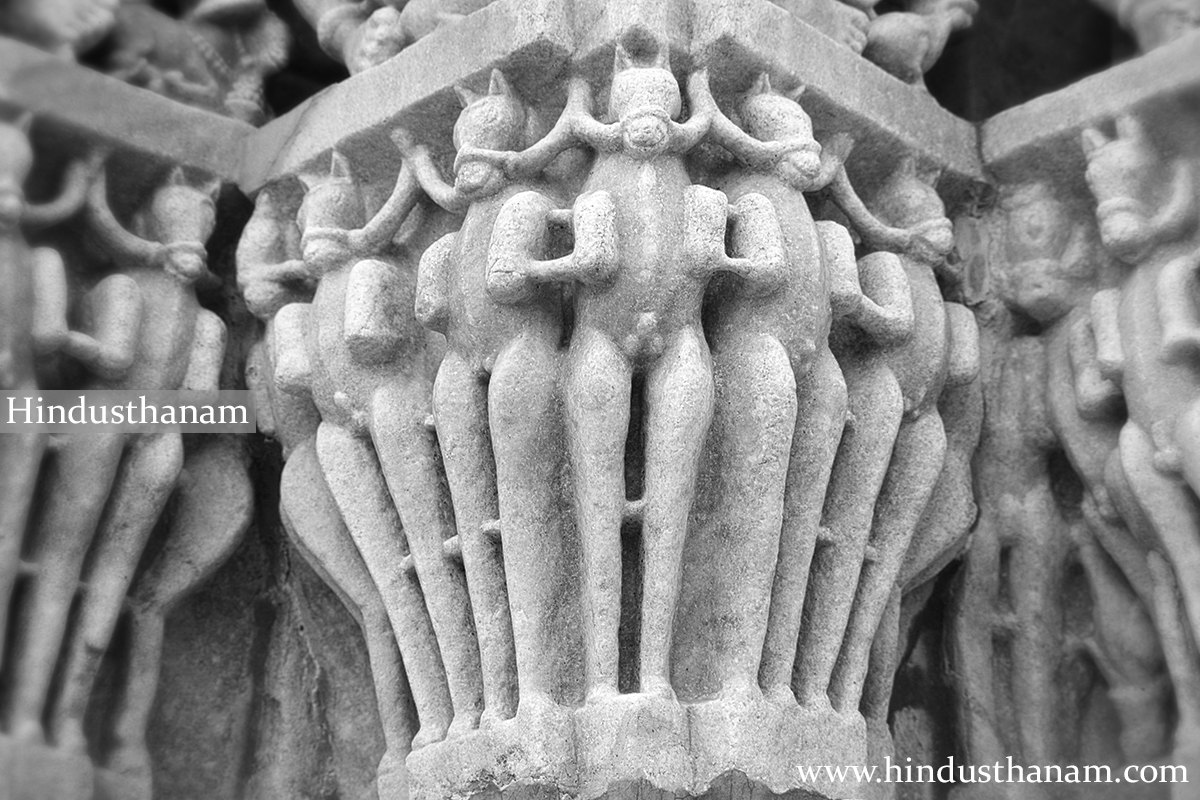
862	344
216	57
272	274
363	356
1049	266
781	399
210	511
33	322
496	399
642	261
1144	333
107	490
1010	641
941	353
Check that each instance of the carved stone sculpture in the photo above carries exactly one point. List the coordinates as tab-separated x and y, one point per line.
673	397
214	58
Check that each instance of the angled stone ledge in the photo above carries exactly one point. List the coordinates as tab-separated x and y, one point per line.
1042	135
415	88
845	91
79	100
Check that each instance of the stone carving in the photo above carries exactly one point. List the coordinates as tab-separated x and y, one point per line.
907	43
67	28
1144	333
33	323
272	274
365	34
637	444
215	57
1154	23
146	331
363	357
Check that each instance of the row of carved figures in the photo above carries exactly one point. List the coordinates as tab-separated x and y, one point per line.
103	495
819	401
1110	381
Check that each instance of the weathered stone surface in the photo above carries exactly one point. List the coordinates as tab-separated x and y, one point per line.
655	400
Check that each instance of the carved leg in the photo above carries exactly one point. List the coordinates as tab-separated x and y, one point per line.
886	651
820	421
315	527
1170	508
1036	572
1179	647
525	418
20	461
213	507
78	485
1127	651
753	424
409	459
460	403
147	477
1187	438
355	479
596	395
862	460
942	532
679	408
915	466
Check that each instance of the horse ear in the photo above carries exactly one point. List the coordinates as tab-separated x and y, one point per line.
213	189
908	166
177	178
1093	140
499	84
1128	127
762	84
339	166
663	59
466	96
24	123
930	174
621	59
795	94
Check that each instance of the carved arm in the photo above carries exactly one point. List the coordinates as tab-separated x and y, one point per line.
873	232
419	159
1180	209
269	270
574	125
845	292
80	175
433	284
113	311
522	231
1105	319
756	154
119	242
886	310
1177	308
373	236
207	354
1095	395
50	301
757	246
293	368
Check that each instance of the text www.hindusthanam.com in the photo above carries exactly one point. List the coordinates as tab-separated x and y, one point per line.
1000	772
